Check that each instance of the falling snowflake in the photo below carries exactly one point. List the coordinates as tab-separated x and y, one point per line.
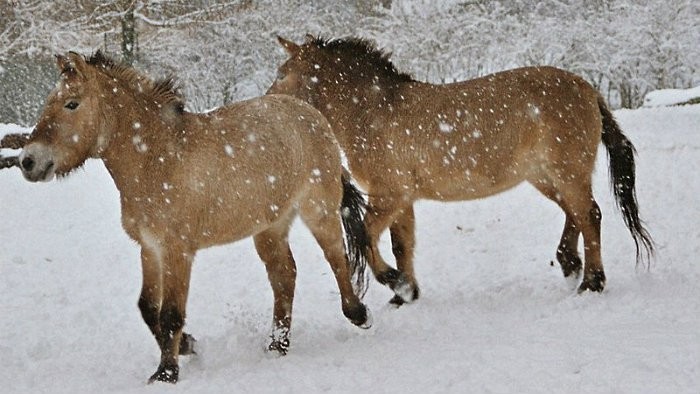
446	127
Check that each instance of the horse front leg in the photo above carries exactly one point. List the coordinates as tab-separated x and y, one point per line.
151	290
175	278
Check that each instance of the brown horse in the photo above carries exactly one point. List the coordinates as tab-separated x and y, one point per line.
189	181
407	140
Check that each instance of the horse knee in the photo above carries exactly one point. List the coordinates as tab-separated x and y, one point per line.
171	319
149	311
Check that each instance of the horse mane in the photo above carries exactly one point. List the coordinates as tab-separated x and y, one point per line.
354	48
164	91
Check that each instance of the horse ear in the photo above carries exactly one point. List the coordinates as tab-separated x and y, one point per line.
71	65
289	46
78	62
64	64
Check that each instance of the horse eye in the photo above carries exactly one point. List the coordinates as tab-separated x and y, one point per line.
71	105
280	75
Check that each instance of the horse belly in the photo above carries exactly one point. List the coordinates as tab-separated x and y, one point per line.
245	211
471	178
458	187
230	202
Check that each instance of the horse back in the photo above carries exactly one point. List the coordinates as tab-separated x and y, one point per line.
241	167
475	138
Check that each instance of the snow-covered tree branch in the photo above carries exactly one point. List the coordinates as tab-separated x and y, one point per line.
225	50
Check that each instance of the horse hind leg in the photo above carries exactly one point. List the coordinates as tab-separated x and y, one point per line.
403	241
582	215
585	214
381	213
567	250
325	225
273	248
589	217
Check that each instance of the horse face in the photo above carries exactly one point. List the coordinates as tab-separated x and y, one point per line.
296	76
66	133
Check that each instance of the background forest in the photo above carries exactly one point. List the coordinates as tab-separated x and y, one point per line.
495	316
225	50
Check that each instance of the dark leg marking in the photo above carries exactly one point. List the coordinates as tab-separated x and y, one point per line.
570	262
390	277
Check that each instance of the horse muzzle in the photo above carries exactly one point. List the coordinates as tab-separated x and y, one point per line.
37	164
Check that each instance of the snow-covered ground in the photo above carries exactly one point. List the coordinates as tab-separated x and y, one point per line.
494	315
666	97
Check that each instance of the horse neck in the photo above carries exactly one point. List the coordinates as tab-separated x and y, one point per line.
351	106
138	140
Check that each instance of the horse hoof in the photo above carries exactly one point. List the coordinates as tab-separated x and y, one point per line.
396	301
165	374
405	293
594	282
369	320
359	315
570	263
279	346
187	342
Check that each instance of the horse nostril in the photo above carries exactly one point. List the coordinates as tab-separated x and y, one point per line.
27	163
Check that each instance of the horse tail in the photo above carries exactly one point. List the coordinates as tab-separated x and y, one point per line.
353	209
622	179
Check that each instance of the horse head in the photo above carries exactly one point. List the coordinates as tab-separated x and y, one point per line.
69	128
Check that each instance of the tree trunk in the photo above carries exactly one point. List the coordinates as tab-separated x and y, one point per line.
129	35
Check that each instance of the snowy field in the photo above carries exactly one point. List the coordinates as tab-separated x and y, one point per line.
494	316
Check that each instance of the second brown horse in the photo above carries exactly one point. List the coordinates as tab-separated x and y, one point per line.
407	140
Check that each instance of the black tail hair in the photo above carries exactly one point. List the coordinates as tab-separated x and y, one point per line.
353	209
622	179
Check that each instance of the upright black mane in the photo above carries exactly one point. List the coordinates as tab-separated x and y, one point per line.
366	53
100	59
